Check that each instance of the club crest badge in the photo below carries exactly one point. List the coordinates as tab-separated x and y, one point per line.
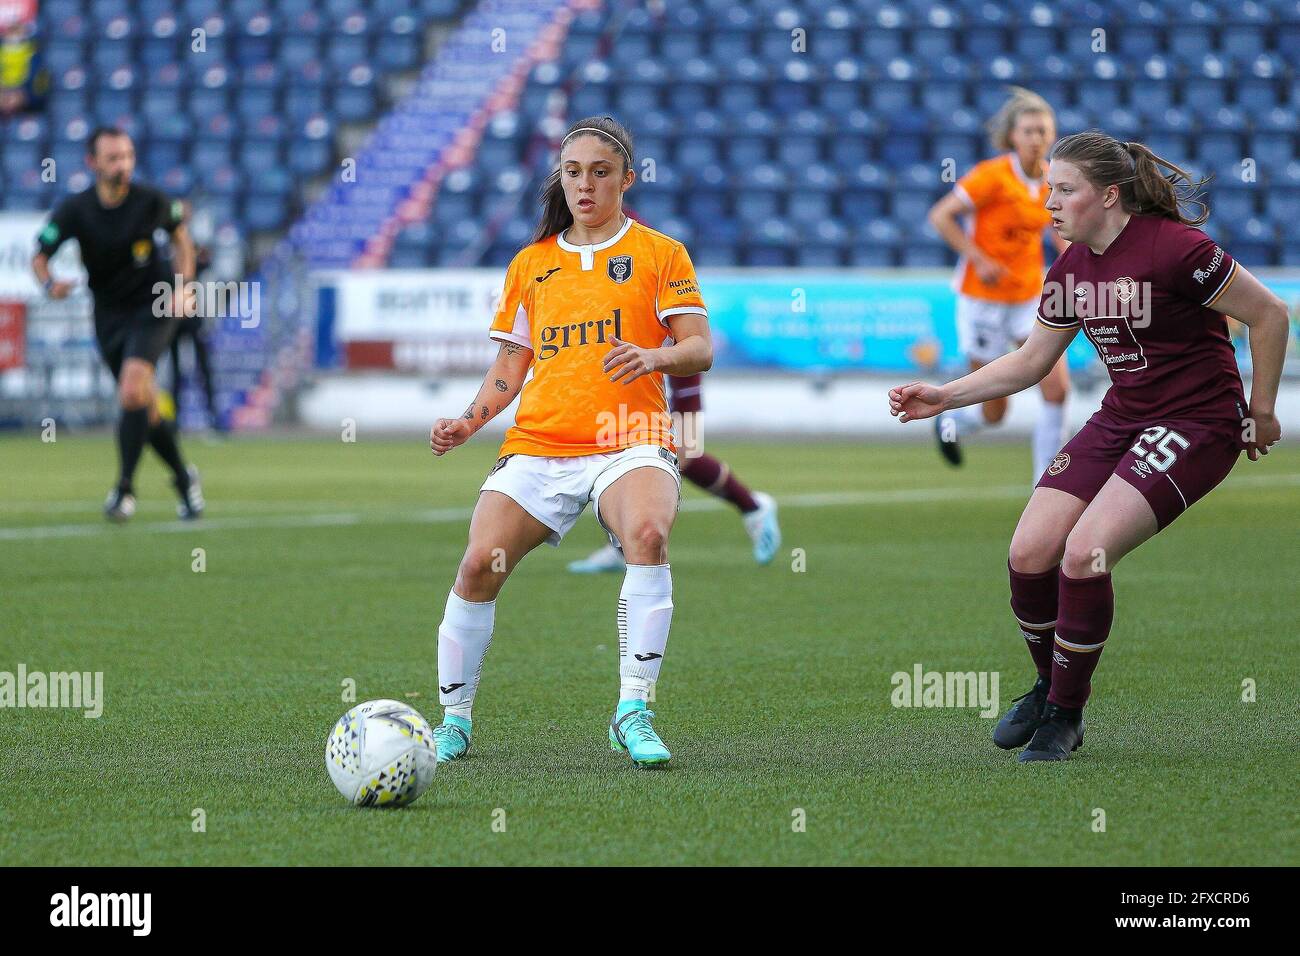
619	268
1059	464
1125	288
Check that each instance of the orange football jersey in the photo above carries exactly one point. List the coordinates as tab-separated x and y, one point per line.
565	302
1009	219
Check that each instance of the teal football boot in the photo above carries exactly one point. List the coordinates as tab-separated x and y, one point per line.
452	738
763	529
630	730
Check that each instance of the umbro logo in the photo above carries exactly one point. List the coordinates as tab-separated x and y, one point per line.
451	687
646	657
1060	659
1078	293
548	274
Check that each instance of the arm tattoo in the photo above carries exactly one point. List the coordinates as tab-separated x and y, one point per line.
483	412
469	413
501	385
511	349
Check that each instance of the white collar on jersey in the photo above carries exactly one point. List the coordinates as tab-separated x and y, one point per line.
1021	174
588	252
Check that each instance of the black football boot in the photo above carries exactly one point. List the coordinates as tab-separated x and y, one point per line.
1019	723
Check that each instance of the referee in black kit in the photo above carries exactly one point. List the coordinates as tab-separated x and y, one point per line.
114	222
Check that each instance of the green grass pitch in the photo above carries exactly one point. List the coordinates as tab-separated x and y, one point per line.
328	561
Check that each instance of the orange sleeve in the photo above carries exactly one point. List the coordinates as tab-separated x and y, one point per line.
510	324
979	187
678	289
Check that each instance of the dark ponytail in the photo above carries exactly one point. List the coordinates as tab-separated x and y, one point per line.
1144	189
556	215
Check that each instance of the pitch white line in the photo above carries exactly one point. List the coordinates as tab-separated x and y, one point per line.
824	499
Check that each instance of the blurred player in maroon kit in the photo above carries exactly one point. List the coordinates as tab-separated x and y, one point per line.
758	510
1151	292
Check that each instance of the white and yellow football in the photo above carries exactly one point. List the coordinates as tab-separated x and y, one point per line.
381	754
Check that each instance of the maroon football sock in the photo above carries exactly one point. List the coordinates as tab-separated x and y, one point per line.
1087	606
716	478
1033	602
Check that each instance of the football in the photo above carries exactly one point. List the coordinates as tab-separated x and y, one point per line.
381	754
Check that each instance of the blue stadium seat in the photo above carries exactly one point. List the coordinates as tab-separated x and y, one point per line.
767	257
260	157
1201	95
940	96
756	206
837	97
1242	40
714	254
819	256
1232	200
352	103
984	43
343	52
903	148
1190	42
932	43
798	151
1272	150
924	257
849	150
1138	40
889	97
264	212
872	256
1033	42
310	158
881	45
747	151
808	208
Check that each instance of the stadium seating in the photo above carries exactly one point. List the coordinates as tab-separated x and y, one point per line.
738	114
265	94
730	100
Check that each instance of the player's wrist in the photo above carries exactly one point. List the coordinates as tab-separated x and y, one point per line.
1259	407
48	285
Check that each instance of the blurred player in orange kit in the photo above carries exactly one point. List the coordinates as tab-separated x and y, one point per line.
584	324
1000	273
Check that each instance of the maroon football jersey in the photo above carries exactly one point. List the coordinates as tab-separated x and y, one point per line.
1146	304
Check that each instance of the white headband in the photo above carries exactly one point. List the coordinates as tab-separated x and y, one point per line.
593	129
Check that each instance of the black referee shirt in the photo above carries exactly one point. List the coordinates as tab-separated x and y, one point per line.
117	244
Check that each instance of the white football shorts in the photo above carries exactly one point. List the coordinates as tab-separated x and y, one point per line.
556	490
988	330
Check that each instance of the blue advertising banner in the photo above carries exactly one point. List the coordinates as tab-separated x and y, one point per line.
815	321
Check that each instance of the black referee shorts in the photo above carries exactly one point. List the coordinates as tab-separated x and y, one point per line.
133	332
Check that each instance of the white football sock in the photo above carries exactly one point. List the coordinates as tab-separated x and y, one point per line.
464	637
645	611
967	420
1048	436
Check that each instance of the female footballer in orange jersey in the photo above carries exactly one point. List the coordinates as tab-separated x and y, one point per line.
1000	274
595	312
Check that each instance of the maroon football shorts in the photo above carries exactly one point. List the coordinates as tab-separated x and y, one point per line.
1173	462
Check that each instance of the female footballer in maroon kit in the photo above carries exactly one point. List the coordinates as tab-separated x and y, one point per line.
1150	291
